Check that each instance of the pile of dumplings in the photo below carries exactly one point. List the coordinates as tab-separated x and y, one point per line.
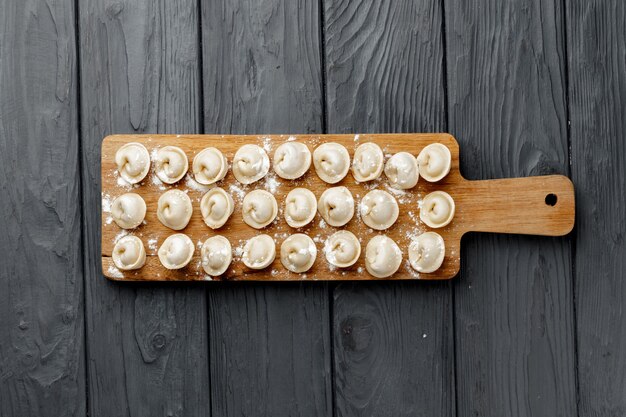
378	209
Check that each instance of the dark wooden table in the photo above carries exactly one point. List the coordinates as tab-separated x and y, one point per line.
530	327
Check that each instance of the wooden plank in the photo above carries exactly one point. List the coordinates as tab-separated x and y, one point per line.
516	205
597	78
42	370
393	350
140	73
269	345
513	301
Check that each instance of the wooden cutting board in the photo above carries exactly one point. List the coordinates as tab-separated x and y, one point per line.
535	205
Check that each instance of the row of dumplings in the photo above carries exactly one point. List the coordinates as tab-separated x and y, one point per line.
291	161
378	209
297	253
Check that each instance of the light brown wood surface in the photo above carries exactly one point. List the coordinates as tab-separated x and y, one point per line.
516	205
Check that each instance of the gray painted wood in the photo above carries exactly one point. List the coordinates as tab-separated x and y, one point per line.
147	345
41	275
392	341
269	343
597	74
513	300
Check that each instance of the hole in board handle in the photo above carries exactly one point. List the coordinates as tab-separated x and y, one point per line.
551	199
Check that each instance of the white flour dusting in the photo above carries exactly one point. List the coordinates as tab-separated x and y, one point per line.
195	185
120	235
114	272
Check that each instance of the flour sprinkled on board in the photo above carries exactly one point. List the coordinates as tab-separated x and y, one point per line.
195	185
267	144
114	272
106	203
120	235
236	192
152	244
271	183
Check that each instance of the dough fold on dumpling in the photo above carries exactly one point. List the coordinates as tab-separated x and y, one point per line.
128	210
336	206
259	208
171	164
174	209
342	249
292	160
437	209
129	253
379	209
298	253
259	252
382	257
133	162
209	166
300	207
426	252
434	162
250	164
331	161
368	162
216	207
216	255
401	170
176	251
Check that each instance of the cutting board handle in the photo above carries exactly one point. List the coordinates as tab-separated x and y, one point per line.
542	205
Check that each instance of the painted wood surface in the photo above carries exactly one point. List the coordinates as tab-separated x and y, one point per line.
596	38
269	344
514	317
392	342
509	74
41	275
147	346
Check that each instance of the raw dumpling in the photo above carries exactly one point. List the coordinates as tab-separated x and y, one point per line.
437	209
292	160
298	253
216	207
171	164
401	170
129	253
342	249
382	257
174	209
434	162
259	252
332	162
300	207
216	254
176	251
259	208
426	252
250	164
379	210
133	162
336	206
368	162
209	166
128	210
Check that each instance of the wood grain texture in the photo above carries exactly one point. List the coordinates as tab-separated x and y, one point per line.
513	302
596	38
148	352
516	205
262	73
393	350
42	370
